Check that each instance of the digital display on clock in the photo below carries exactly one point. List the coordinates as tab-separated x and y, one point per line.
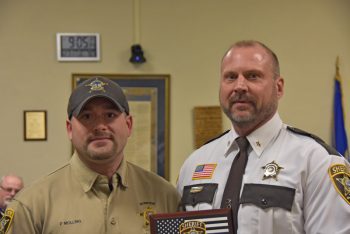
78	46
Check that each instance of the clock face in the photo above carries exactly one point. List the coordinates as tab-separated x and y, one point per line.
76	47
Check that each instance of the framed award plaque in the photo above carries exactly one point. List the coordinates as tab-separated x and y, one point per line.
199	222
35	125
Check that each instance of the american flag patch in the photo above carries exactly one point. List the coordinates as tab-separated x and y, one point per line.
204	171
209	221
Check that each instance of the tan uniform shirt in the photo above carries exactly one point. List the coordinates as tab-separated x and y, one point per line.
71	200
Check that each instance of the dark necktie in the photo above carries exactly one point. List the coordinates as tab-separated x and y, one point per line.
230	198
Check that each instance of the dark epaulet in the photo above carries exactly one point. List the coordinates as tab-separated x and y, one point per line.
216	137
328	148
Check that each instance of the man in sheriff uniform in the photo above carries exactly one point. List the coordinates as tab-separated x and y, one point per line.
292	182
97	191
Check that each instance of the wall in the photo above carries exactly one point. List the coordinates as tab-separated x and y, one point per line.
185	39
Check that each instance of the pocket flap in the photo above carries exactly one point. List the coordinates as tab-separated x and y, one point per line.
198	193
266	196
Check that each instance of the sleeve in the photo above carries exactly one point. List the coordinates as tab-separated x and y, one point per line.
179	182
185	176
327	197
173	200
22	219
186	171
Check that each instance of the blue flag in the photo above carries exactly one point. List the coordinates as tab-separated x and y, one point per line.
340	140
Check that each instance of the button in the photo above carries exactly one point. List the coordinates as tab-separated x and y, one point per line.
228	203
193	201
264	202
113	222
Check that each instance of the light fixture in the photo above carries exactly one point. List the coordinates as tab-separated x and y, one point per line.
137	54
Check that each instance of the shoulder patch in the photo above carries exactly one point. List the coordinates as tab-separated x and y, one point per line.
328	148
6	220
340	177
217	137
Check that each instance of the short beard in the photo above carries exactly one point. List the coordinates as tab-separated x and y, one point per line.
240	121
255	118
101	156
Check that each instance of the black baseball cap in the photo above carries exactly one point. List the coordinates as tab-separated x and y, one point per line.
96	87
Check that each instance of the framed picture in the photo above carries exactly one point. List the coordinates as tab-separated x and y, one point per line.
35	125
148	97
78	46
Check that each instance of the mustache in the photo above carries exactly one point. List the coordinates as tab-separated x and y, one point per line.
239	97
99	135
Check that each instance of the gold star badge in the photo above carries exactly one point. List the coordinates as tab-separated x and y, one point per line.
271	170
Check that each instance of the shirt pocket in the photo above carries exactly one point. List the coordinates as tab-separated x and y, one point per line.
268	196
198	194
266	209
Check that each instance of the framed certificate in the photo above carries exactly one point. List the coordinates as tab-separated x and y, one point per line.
35	125
148	98
78	46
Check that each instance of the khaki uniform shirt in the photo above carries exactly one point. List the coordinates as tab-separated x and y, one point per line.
71	201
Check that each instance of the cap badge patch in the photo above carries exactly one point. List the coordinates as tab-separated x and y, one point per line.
340	176
204	171
271	170
97	85
6	220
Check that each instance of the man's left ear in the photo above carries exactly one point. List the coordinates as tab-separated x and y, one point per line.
129	122
280	87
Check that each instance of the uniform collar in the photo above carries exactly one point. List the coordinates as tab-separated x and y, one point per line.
230	142
262	136
122	174
258	139
88	177
84	175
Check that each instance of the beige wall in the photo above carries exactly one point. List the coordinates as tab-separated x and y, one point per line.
185	39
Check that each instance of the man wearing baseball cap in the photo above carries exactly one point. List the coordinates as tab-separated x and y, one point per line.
97	191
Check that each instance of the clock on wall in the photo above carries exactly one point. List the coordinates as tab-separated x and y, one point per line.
78	46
